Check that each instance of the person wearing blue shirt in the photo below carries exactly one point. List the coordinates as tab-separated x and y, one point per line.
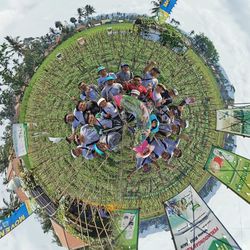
88	92
111	89
103	75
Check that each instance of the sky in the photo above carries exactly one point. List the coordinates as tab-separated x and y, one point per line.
225	22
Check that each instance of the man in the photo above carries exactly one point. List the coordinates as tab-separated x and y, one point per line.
77	119
125	74
157	94
169	129
108	109
112	139
169	95
88	92
172	147
88	136
111	89
103	75
91	152
87	107
151	73
136	84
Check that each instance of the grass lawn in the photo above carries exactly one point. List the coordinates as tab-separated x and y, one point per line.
104	181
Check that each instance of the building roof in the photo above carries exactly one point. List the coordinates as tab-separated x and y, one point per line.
13	168
21	195
67	240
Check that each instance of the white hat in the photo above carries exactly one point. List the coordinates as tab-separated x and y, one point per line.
100	100
175	92
135	92
73	155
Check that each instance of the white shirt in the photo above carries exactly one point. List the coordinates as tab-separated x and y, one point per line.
147	79
90	135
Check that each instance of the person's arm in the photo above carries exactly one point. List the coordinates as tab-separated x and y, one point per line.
149	67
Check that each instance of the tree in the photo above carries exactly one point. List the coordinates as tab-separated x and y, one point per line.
59	25
88	11
80	14
157	5
15	44
206	48
73	20
171	38
10	206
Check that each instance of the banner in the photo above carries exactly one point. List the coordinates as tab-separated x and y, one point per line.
194	226
126	229
231	169
15	219
20	139
235	121
165	10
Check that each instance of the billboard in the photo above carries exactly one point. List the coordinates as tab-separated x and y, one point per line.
126	229
231	169
235	121
15	219
194	226
20	139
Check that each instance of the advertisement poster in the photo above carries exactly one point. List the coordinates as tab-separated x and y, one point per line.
15	219
235	121
126	229
20	140
230	169
194	226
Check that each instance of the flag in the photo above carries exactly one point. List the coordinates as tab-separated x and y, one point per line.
165	10
234	120
230	169
193	225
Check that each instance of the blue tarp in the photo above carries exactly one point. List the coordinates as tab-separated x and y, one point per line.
168	5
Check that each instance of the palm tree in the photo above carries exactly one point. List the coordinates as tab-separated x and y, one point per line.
15	44
80	14
59	25
157	5
73	20
88	11
10	206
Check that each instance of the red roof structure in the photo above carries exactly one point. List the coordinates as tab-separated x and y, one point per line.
67	240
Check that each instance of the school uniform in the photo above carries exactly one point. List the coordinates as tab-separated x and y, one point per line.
101	81
90	135
109	91
147	79
79	119
109	109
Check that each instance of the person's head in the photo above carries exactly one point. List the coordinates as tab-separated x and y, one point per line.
102	71
125	67
137	80
184	124
176	129
155	72
81	106
102	102
69	118
165	156
173	93
177	153
154	124
109	80
135	93
82	86
160	88
76	152
79	139
91	119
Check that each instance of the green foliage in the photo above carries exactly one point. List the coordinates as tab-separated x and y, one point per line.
171	37
206	48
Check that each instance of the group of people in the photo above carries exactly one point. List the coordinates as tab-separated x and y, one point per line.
141	104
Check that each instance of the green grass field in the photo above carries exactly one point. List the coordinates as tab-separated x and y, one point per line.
104	181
